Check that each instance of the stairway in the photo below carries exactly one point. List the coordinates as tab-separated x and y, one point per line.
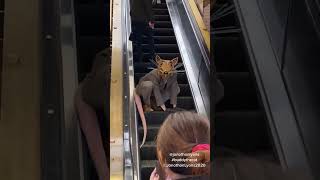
166	47
241	123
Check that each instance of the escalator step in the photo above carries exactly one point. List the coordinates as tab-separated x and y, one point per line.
185	102
162	40
147	166
228	20
162	48
160	11
242	130
159	18
162	55
163	24
163	32
160	6
156	117
225	31
152	131
149	149
239	91
185	90
226	61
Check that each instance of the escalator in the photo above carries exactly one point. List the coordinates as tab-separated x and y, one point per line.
241	123
166	47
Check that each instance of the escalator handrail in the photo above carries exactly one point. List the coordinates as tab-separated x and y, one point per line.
131	154
193	52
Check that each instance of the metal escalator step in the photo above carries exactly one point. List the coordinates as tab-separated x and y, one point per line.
242	130
162	40
146	56
239	92
147	166
160	11
226	61
228	20
148	163
185	102
148	151
163	32
156	117
162	48
185	90
160	6
152	131
182	79
163	24
225	31
158	18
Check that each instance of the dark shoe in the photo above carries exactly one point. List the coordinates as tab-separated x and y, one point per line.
132	37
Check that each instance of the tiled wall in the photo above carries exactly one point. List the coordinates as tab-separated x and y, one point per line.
204	8
206	16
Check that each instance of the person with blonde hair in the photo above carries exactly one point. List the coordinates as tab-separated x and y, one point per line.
183	147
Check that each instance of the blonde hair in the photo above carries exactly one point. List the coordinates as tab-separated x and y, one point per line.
179	133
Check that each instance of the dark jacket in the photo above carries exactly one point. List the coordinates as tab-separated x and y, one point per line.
141	10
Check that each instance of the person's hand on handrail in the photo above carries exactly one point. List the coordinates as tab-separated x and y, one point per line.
151	24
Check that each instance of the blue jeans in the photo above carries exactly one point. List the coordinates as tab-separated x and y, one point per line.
139	29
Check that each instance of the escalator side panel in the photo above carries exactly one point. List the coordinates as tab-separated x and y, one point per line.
282	121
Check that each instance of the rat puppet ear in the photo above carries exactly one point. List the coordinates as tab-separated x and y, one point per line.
158	59
174	61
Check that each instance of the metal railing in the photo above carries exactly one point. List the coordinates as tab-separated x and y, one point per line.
194	53
131	154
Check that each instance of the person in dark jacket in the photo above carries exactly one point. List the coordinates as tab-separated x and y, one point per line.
142	19
91	98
